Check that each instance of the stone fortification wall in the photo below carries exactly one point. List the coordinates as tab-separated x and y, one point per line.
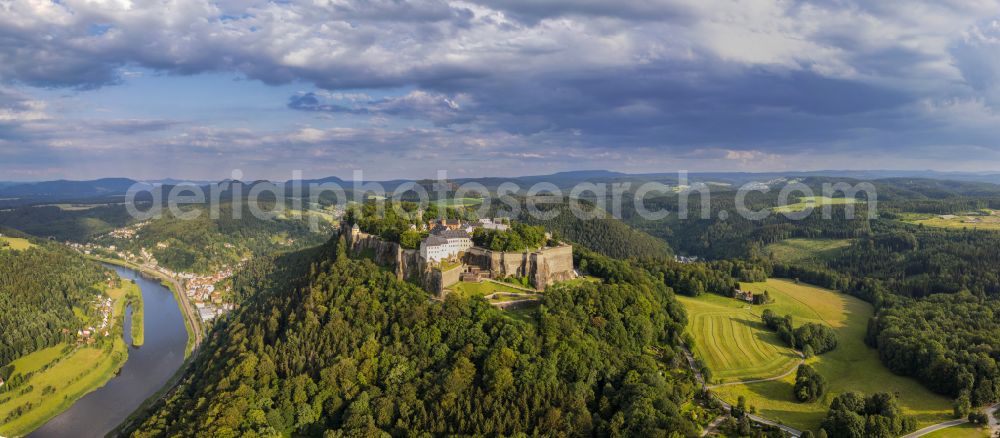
543	267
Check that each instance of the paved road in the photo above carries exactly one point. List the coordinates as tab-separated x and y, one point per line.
994	423
989	413
192	313
755	418
937	427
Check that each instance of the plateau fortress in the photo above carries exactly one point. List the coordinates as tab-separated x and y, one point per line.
542	267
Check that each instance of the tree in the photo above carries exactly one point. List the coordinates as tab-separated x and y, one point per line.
979	418
962	406
853	415
809	384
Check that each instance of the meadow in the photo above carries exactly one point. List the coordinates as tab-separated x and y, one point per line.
981	220
62	374
799	251
470	289
16	243
851	367
732	341
967	430
807	202
460	202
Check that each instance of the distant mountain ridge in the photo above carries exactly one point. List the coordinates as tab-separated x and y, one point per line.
66	190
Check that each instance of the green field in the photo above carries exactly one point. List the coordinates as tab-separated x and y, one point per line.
799	251
16	243
806	202
75	207
967	430
470	289
68	372
851	367
67	377
980	220
460	202
730	338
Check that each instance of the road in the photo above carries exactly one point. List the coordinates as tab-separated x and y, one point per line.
990	412
755	418
189	310
994	423
190	313
937	427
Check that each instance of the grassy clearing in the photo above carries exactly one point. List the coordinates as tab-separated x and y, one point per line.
851	367
807	250
447	265
979	220
460	202
58	381
967	430
129	295
807	202
470	289
74	207
15	243
731	339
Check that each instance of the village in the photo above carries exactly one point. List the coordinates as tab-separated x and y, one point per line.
208	292
105	308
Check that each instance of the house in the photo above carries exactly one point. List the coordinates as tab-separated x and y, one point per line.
444	243
743	295
493	224
434	248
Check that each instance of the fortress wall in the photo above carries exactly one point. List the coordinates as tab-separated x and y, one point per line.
543	267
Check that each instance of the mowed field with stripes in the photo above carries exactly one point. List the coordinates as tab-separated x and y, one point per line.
733	342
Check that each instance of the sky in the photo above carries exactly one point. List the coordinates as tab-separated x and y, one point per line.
195	89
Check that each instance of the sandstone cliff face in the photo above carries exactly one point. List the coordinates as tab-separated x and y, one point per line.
405	263
543	267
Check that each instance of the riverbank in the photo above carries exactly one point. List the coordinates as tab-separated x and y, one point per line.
56	377
192	323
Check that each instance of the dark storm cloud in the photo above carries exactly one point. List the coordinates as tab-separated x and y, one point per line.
624	79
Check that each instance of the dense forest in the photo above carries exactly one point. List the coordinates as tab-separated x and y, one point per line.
950	342
66	225
854	415
39	288
340	344
605	235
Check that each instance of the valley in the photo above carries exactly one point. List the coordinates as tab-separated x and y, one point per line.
852	366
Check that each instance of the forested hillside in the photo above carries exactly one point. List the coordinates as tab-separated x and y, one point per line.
39	288
61	224
204	244
605	235
951	342
341	344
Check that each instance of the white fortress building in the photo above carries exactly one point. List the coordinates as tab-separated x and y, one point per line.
444	244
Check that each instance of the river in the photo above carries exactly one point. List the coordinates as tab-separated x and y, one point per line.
148	367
